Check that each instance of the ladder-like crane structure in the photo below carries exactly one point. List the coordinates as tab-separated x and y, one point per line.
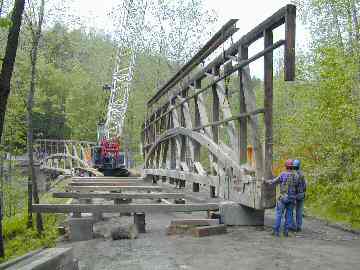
109	156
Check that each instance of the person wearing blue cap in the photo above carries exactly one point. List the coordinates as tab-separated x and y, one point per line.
300	196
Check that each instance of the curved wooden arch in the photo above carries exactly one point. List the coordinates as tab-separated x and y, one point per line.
222	154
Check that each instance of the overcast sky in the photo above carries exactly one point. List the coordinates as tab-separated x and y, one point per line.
249	12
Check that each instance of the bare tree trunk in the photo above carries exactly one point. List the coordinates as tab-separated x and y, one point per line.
9	59
356	21
5	78
30	136
36	35
350	27
337	23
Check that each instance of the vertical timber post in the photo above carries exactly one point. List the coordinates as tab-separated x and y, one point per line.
289	55
243	55
268	191
215	129
196	186
172	144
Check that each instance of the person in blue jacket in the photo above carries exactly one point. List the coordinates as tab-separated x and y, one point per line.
285	203
300	196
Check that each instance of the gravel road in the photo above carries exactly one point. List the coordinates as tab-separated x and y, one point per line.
317	247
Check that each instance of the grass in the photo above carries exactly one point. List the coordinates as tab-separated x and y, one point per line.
19	240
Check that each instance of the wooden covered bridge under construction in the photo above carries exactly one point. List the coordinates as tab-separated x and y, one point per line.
197	134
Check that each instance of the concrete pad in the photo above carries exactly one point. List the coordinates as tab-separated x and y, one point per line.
51	258
208	230
232	213
81	229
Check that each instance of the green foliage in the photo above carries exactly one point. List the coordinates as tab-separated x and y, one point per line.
318	122
19	239
5	23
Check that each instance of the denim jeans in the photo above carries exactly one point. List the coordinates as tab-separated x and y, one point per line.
281	209
299	213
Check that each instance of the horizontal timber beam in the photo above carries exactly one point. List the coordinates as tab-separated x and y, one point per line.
63	141
107	178
121	208
187	176
114	188
77	195
217	123
100	183
219	38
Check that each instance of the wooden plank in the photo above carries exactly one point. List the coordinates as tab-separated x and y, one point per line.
107	195
176	124
114	188
289	55
107	178
195	222
208	230
122	208
111	178
100	183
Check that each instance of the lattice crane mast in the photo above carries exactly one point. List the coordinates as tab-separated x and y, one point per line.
108	157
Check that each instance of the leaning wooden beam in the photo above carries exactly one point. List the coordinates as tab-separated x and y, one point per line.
114	188
216	40
107	195
272	22
239	66
285	15
121	208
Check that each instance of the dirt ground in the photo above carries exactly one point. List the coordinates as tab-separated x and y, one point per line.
317	247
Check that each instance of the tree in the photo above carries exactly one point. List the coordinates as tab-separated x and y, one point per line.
332	22
9	58
35	24
5	77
